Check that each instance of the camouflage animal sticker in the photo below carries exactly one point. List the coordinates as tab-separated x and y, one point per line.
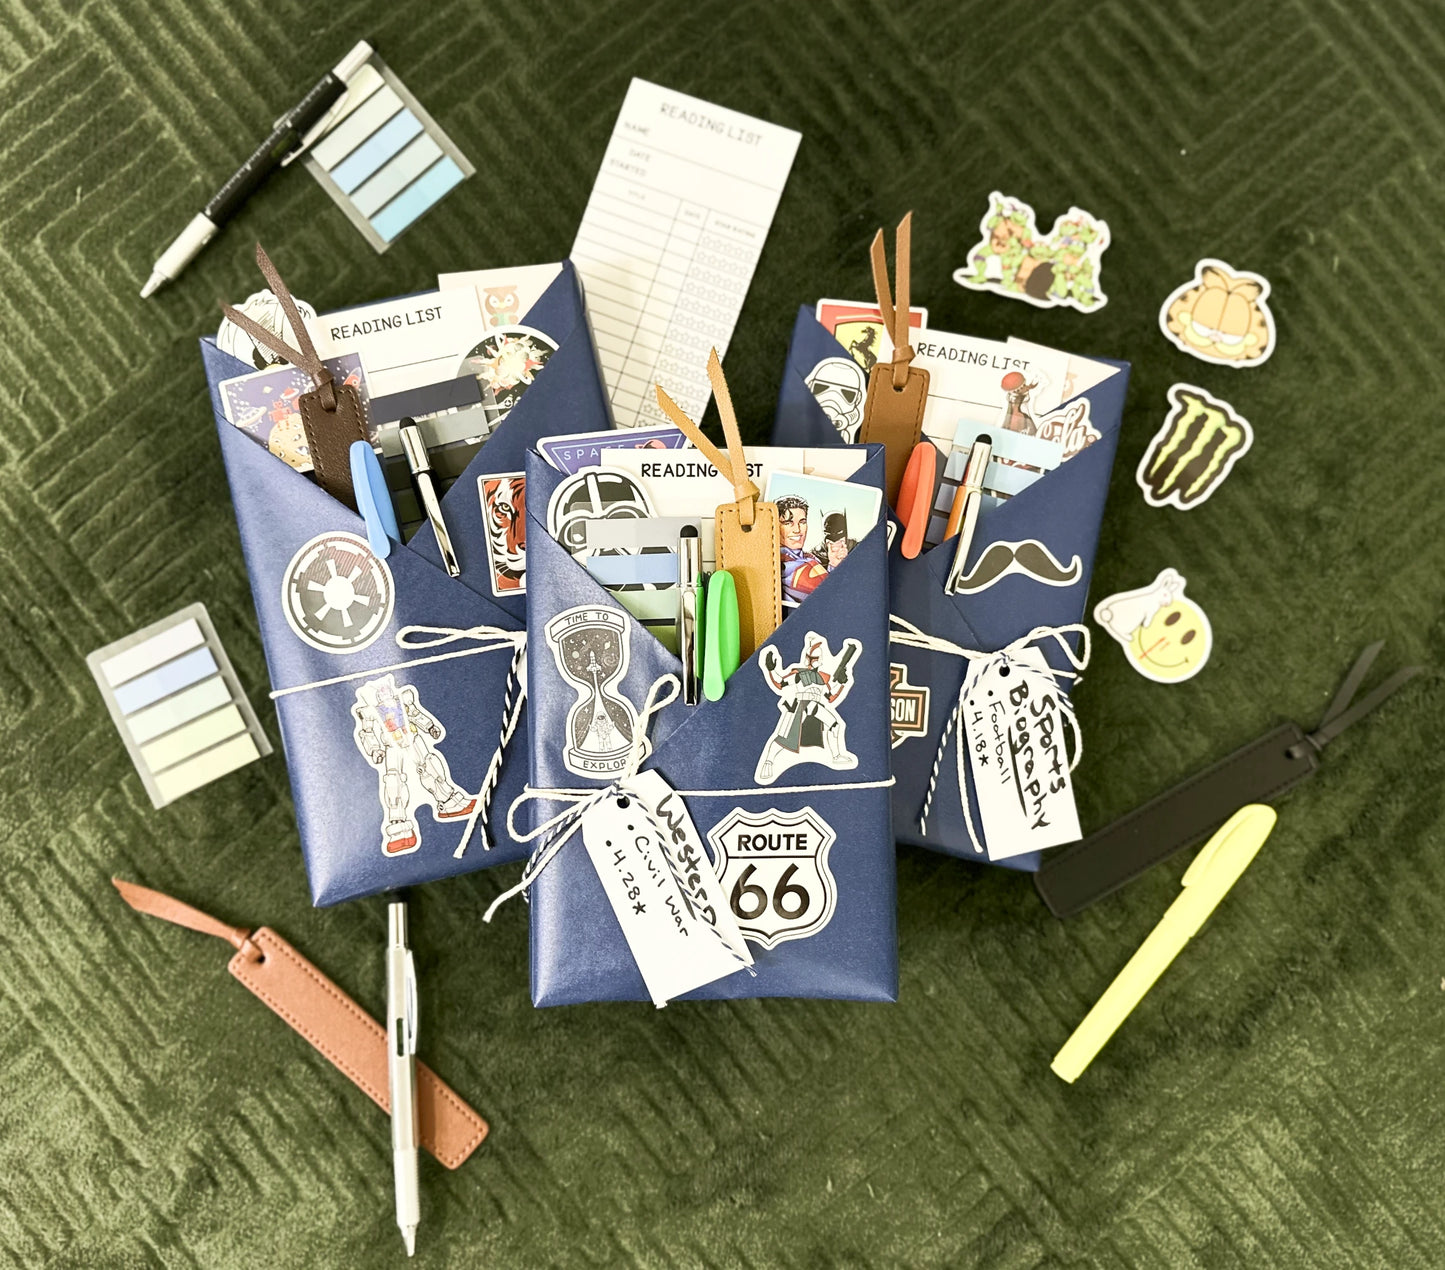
1060	268
1221	315
1195	449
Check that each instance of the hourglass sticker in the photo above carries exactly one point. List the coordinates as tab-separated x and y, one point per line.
590	647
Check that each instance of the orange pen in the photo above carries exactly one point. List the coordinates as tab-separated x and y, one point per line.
915	497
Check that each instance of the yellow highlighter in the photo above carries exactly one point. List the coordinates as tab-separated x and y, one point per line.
1212	872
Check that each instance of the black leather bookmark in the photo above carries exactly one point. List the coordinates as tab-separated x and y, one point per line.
1267	768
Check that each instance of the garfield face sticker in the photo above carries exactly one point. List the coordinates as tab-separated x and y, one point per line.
1221	316
1167	638
1058	268
1193	452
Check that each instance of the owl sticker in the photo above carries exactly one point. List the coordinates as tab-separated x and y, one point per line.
502	305
1221	316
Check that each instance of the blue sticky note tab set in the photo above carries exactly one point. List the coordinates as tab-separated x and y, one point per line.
384	160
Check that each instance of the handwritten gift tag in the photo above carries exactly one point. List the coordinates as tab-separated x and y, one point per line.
647	852
1015	731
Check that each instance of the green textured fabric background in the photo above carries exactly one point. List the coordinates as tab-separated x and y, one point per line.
1275	1101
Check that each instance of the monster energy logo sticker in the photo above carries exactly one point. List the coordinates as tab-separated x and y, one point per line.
1191	454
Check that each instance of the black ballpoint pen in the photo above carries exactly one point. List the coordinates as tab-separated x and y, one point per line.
297	128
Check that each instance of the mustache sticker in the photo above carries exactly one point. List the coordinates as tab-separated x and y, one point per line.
1029	557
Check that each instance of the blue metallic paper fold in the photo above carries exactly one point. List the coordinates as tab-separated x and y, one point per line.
1063	510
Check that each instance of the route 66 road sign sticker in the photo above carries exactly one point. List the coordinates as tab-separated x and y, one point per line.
773	867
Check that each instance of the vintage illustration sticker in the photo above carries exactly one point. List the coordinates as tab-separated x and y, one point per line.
1070	427
1167	637
504	513
773	869
1029	557
590	647
399	738
1194	450
810	729
593	493
1221	315
337	596
839	387
1013	258
908	705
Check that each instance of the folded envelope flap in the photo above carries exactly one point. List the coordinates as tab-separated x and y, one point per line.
568	395
560	583
295	538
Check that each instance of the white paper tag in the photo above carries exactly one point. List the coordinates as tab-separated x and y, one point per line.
681	937
1016	752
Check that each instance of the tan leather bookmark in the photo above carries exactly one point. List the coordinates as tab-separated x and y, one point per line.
331	414
328	1018
747	530
897	391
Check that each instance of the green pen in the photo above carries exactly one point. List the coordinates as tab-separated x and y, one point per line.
720	646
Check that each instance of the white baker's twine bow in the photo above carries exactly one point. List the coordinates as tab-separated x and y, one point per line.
484	639
557	831
902	631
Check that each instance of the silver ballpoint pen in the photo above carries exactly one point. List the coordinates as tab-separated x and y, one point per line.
401	1070
414	447
689	632
963	520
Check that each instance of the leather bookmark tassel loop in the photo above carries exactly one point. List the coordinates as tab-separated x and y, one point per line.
315	1007
331	414
747	529
897	390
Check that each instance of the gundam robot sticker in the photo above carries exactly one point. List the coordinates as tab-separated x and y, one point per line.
399	739
810	728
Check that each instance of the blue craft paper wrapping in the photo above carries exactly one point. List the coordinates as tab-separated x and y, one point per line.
338	805
578	949
1063	510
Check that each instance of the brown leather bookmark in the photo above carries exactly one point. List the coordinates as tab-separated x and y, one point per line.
331	414
897	391
328	1018
747	530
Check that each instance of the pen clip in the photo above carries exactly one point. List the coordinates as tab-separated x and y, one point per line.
915	497
747	529
720	634
409	1007
689	576
373	499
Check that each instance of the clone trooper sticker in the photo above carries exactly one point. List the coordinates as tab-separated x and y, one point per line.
590	647
1168	638
399	738
773	867
336	594
810	728
909	706
838	386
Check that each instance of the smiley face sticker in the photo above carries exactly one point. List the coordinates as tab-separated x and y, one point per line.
1166	637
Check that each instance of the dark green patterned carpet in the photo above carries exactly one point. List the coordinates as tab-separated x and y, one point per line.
1275	1102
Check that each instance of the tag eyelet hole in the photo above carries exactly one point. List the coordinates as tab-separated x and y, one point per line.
625	803
1003	672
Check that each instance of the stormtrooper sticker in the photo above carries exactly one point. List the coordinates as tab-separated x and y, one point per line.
1168	638
399	739
589	645
838	386
810	729
773	868
337	595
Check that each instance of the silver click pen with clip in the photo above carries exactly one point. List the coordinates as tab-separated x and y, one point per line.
417	459
401	1070
689	591
963	518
